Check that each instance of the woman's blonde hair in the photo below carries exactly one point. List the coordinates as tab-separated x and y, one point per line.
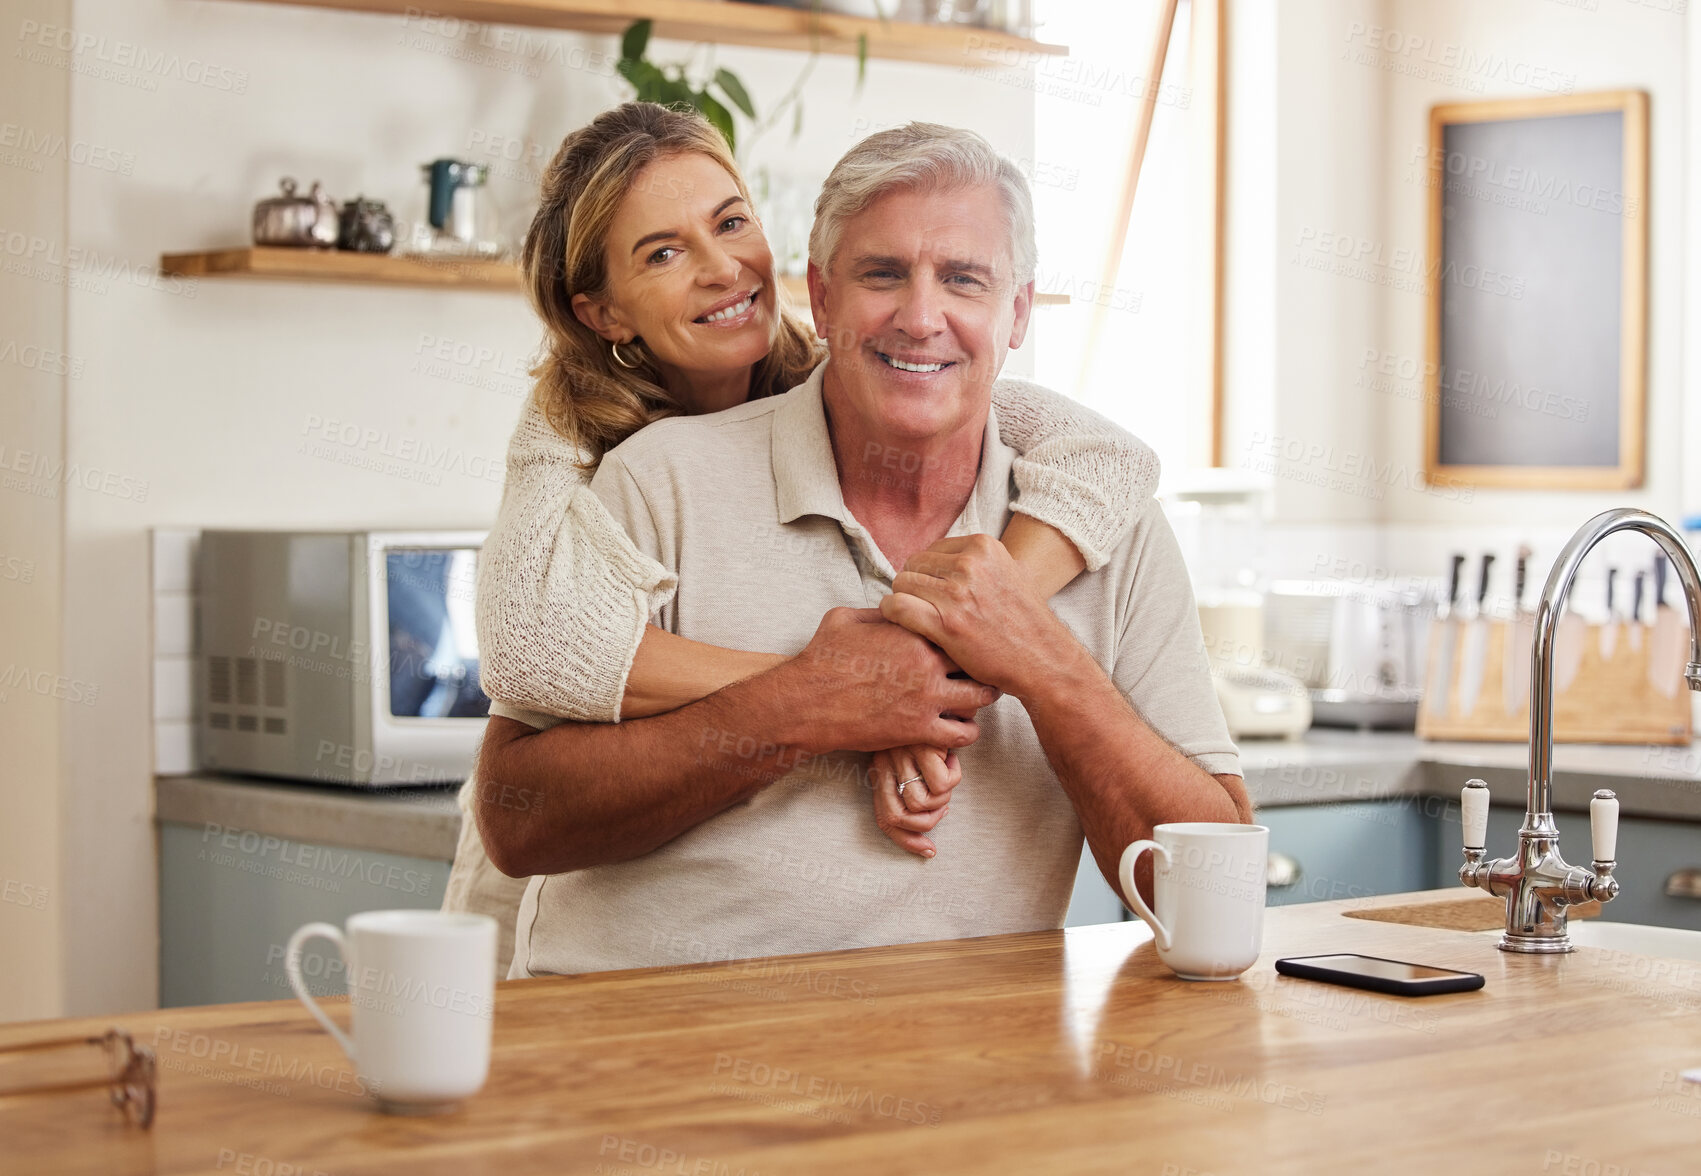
588	398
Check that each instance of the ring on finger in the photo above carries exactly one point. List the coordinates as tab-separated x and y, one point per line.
902	783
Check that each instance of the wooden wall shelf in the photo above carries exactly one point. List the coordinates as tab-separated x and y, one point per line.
379	269
728	23
334	265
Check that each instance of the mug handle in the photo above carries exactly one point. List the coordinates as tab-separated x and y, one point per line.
292	965
1125	874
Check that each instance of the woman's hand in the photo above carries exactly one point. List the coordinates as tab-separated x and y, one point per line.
925	801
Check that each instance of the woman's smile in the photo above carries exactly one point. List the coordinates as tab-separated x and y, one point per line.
736	311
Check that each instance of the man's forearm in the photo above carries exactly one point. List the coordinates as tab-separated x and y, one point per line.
597	793
1122	777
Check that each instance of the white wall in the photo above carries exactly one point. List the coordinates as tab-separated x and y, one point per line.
1329	120
1329	105
206	401
1614	45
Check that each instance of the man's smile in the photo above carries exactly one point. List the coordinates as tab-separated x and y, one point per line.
923	366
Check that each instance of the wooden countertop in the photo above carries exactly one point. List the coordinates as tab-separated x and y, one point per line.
1062	1051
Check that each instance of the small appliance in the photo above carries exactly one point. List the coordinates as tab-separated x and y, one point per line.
340	657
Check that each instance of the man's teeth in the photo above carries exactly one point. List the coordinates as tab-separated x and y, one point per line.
732	311
912	367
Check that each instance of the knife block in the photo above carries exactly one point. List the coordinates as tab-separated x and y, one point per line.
1612	698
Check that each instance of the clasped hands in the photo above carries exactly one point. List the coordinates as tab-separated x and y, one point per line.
969	597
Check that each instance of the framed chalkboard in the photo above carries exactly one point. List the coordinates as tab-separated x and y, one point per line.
1537	290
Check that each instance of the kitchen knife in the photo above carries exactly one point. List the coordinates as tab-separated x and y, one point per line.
1609	631
1635	627
1515	675
1447	638
1668	644
1476	644
1570	638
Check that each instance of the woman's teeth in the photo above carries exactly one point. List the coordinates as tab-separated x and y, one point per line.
911	367
732	311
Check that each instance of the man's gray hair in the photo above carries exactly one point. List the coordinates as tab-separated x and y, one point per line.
924	157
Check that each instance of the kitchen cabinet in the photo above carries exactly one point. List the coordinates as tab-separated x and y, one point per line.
1352	850
1093	901
230	899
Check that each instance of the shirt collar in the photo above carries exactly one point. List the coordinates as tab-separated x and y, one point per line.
806	476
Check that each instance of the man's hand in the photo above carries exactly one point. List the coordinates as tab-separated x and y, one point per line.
863	684
929	774
970	597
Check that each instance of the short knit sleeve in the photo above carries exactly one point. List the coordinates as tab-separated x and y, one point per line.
563	593
1076	470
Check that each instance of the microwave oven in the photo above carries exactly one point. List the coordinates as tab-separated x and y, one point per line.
340	657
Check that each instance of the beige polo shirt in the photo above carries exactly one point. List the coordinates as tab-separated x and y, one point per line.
745	506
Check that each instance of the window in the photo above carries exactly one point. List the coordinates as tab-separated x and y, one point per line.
1151	367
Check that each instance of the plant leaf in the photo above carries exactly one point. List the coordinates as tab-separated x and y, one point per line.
861	59
651	84
636	37
734	89
716	114
676	92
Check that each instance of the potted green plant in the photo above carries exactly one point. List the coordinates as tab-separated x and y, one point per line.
672	84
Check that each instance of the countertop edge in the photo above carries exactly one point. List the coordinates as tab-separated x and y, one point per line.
1331	769
412	822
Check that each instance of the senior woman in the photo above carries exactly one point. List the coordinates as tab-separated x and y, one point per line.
655	285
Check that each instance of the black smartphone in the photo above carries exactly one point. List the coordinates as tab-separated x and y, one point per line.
1379	975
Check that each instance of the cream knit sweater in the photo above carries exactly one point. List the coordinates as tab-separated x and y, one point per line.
564	596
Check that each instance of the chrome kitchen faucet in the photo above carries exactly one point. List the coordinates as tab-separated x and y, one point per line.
1538	884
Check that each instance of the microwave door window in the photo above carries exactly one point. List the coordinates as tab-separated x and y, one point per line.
433	638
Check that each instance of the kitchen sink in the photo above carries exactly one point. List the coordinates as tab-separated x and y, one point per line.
1635	938
1668	943
1486	916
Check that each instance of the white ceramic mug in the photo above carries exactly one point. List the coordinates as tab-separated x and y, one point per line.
421	985
1208	884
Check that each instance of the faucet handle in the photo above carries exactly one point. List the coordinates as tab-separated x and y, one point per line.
1473	813
1603	825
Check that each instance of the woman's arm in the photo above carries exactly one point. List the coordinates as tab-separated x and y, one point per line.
1081	480
1051	560
669	671
1076	472
564	596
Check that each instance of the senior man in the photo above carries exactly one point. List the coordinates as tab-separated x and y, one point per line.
737	826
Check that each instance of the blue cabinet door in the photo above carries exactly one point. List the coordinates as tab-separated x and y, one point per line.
1093	901
230	899
1353	850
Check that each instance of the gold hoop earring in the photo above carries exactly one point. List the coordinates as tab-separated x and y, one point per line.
630	365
